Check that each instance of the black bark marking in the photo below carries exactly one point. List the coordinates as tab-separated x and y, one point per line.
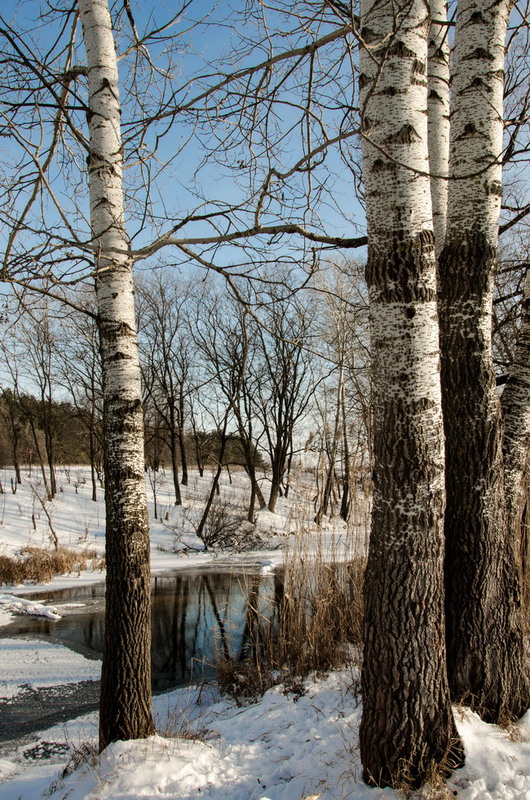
399	274
406	135
400	49
470	130
369	35
364	80
433	95
391	91
383	166
495	188
479	53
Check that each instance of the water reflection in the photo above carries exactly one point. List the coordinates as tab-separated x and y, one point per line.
194	617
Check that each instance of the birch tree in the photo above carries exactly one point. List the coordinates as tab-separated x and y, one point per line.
125	704
516	410
438	73
484	632
407	725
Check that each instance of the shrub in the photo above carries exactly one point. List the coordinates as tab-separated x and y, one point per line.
227	530
37	565
11	571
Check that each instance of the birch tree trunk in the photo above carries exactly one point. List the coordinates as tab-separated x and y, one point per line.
407	726
484	633
516	411
438	111
125	707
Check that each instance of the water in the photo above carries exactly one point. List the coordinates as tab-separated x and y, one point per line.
195	616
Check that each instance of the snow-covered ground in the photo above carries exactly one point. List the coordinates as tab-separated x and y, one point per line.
286	747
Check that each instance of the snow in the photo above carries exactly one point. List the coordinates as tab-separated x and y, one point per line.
18	605
30	664
286	747
300	745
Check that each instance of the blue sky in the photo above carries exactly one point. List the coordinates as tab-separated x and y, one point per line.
195	176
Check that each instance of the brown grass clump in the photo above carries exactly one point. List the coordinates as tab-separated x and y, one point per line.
36	565
11	571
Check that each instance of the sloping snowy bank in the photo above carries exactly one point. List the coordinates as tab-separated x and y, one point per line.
287	747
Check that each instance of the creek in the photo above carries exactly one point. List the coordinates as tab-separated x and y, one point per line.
196	615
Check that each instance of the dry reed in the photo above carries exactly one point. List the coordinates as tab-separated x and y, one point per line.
314	625
36	565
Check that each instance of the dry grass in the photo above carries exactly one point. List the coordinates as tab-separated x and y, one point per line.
315	625
36	565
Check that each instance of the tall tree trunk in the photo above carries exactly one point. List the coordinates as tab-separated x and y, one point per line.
275	485
407	726
173	448
215	485
249	455
332	454
49	495
125	705
516	410
182	441
92	452
50	454
438	119
484	630
346	467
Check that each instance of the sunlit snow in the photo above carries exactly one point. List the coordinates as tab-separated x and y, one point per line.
289	746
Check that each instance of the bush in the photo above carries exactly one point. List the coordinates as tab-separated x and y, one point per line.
36	565
227	530
11	571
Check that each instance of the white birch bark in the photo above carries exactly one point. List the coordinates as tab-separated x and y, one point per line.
126	687
484	634
407	725
477	118
438	120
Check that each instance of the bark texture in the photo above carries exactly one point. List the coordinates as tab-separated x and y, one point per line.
407	728
125	707
516	412
484	632
439	125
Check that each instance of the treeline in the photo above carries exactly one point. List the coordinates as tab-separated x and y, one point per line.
266	382
61	434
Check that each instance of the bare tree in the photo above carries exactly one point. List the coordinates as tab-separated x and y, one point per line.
167	356
226	336
80	375
282	374
344	396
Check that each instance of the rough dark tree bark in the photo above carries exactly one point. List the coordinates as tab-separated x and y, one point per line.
483	603
407	729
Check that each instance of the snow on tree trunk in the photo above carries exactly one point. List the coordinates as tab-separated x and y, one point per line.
438	125
125	707
407	724
484	635
516	410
